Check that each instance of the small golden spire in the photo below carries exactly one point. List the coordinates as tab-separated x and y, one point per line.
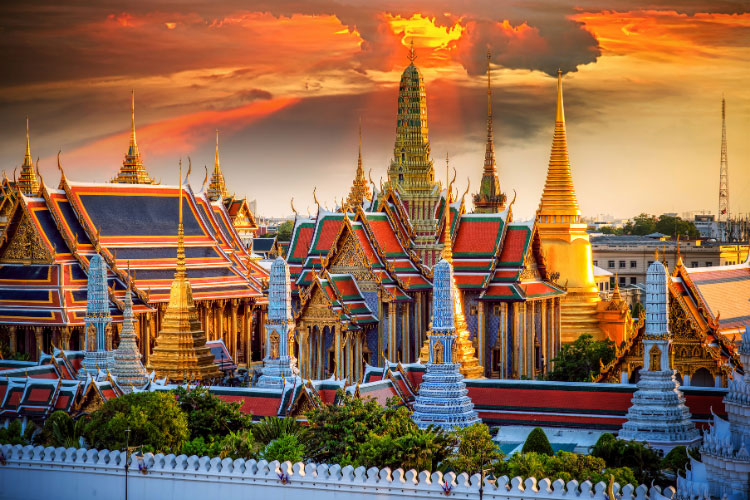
447	246
411	55
180	271
27	156
217	189
28	183
216	160
133	149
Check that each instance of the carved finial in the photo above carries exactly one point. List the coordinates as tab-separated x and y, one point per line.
315	197
468	185
291	202
190	169
205	179
412	56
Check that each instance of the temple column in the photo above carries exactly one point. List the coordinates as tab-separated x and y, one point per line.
39	341
481	337
248	334
392	347
233	329
405	337
515	336
381	319
338	354
13	338
545	339
503	335
418	341
558	324
148	335
220	320
82	339
531	339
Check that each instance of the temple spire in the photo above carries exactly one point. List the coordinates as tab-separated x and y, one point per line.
559	196
360	188
447	244
181	271
217	189
489	199
28	182
132	170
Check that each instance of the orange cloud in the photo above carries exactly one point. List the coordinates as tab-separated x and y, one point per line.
176	136
426	34
661	34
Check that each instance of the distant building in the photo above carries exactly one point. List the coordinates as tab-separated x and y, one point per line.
629	256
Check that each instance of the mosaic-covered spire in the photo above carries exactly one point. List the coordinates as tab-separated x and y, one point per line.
443	399
98	322
217	189
489	199
559	195
360	187
132	170
279	362
127	367
658	415
181	352
411	169
28	183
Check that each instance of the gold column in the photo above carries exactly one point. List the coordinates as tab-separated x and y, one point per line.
545	343
233	334
13	338
147	334
530	331
248	334
82	339
338	353
392	347
504	368
516	340
481	337
418	327
220	334
405	337
381	317
39	341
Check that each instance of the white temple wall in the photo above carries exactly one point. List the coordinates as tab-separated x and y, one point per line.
38	473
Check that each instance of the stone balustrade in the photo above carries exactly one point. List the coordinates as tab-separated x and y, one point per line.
36	472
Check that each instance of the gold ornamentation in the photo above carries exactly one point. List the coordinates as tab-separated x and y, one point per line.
26	245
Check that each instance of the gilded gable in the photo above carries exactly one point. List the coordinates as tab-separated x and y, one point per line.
349	258
25	244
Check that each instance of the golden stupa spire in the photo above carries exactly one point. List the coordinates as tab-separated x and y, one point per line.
132	170
28	182
447	244
181	350
360	188
559	196
217	189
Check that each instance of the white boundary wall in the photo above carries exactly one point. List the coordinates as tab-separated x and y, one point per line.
38	473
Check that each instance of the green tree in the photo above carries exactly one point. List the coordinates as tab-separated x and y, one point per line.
284	233
286	448
61	430
537	442
208	416
154	419
16	434
673	226
579	361
566	466
271	428
408	447
201	448
240	444
475	449
642	460
642	225
677	458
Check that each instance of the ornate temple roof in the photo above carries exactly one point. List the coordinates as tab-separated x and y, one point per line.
559	196
360	191
49	240
132	170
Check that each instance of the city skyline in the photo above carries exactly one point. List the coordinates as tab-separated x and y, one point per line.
286	85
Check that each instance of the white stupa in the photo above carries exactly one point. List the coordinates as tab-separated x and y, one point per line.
658	415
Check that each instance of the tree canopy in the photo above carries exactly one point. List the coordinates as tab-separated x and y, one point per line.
577	362
207	415
284	233
670	225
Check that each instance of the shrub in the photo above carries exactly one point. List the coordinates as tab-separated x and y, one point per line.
642	460
154	419
61	430
408	447
286	448
566	466
578	361
271	428
208	416
201	448
677	458
537	442
16	434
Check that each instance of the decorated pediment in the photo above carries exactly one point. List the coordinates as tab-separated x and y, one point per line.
349	258
317	307
25	244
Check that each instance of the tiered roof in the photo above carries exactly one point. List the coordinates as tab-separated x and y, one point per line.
28	183
50	239
132	170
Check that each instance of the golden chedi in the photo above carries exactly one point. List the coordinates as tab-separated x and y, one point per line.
565	242
464	353
181	352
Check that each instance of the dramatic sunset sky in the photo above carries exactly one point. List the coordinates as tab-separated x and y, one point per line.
285	82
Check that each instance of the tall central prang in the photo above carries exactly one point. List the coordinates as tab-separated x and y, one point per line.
411	173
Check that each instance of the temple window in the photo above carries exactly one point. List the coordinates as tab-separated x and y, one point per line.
708	264
655	359
622	264
611	263
632	280
633	264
